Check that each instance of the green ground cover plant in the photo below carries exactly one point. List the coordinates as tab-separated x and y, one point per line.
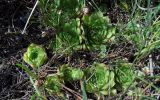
76	29
81	25
100	79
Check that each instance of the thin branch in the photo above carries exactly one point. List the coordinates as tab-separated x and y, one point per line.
29	17
150	65
73	92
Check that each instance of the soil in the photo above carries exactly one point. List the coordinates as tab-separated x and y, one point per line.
14	82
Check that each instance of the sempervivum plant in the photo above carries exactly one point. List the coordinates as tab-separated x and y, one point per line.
69	37
125	75
70	74
98	30
35	56
53	84
100	79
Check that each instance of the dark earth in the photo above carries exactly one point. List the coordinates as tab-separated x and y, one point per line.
14	82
